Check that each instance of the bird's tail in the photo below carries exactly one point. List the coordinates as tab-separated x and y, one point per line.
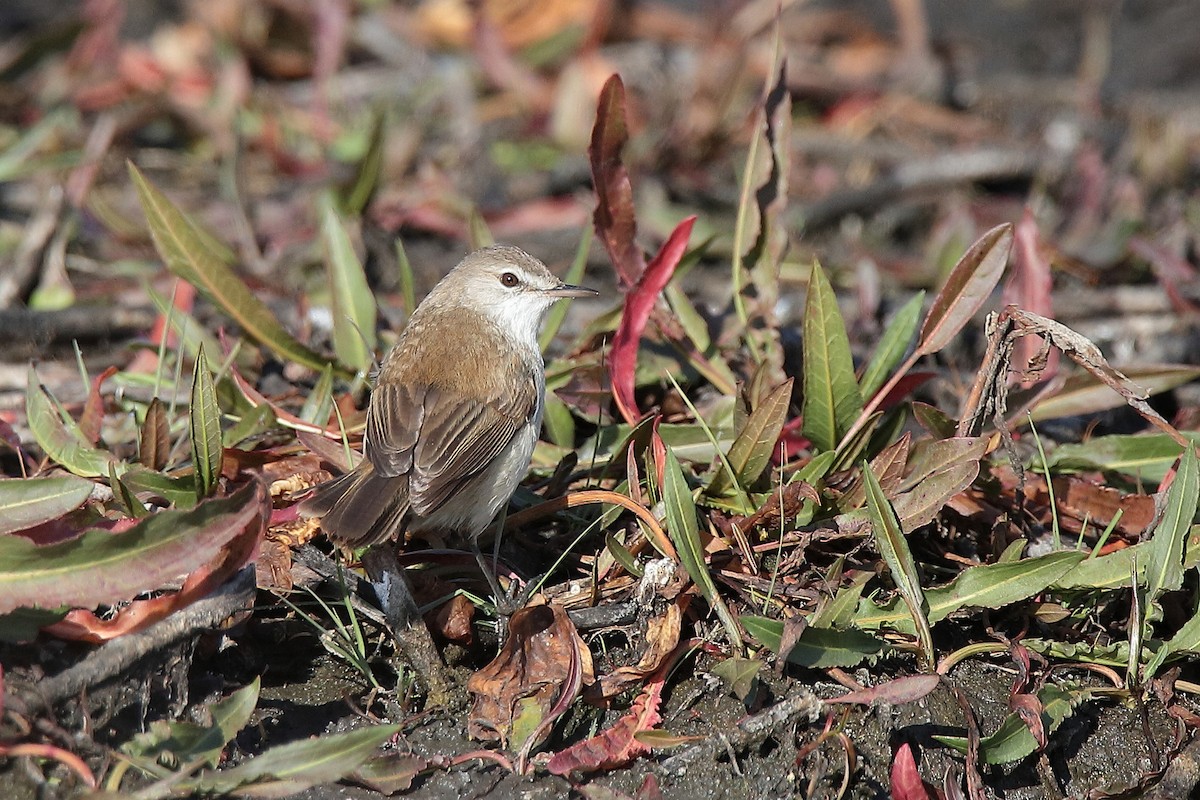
359	508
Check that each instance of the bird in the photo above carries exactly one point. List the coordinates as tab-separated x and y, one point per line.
456	408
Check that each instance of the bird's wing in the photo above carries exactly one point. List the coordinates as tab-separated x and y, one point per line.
441	438
394	421
460	437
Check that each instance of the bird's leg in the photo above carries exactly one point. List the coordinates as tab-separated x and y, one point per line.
507	603
413	640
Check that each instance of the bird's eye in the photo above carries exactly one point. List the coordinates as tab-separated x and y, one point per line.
509	279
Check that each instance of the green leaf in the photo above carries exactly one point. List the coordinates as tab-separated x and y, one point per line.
1084	393
187	252
985	586
893	346
832	400
102	567
817	648
574	275
354	315
296	766
478	233
751	450
405	278
191	743
204	423
1147	457
893	546
125	496
318	405
559	422
1013	740
62	440
685	535
622	556
24	624
967	288
31	501
354	196
739	675
179	492
255	421
1164	568
838	612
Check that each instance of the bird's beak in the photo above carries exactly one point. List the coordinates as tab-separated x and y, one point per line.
564	290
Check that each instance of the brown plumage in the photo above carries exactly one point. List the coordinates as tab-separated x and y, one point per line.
456	409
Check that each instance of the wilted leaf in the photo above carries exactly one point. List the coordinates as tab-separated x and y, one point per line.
1029	286
966	289
1084	393
154	439
897	691
32	501
832	400
906	783
540	666
616	746
614	219
921	504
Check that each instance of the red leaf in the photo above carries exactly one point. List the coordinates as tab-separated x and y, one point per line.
638	305
906	781
93	408
242	528
614	218
895	692
616	746
903	388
